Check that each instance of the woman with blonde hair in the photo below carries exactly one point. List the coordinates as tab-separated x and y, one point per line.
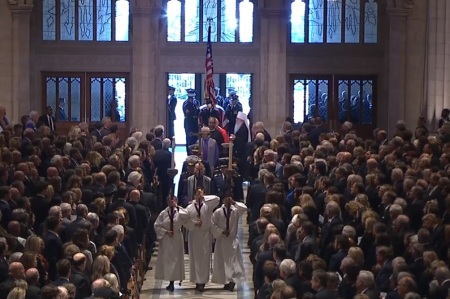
113	281
17	293
100	267
357	255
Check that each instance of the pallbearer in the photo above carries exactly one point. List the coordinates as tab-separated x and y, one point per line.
170	263
228	262
200	238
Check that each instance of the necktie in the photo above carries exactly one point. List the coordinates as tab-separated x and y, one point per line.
50	122
171	216
227	213
199	209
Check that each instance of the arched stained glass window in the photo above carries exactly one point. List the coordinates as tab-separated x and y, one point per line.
231	20
85	20
334	21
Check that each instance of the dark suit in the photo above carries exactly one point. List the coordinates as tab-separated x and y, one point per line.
33	292
327	234
255	199
261	258
121	203
156	143
142	220
59	282
45	120
306	247
52	252
163	161
336	259
82	283
383	277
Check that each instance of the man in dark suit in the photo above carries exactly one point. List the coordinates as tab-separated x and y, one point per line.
157	143
332	212
256	195
79	222
47	119
53	245
163	162
289	275
121	202
384	261
341	244
142	215
16	271
262	257
308	244
365	284
33	291
79	277
63	270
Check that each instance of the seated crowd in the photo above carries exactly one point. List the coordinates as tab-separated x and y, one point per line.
332	215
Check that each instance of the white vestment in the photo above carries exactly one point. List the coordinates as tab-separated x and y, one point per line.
200	239
228	262
170	262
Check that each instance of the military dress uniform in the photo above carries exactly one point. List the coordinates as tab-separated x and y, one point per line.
171	105
191	112
231	113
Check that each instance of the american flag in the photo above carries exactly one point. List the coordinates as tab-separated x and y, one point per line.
209	80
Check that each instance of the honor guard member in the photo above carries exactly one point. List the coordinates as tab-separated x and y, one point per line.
232	111
191	112
227	100
207	111
219	98
171	105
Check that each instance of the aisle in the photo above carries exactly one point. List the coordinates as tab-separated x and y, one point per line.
156	289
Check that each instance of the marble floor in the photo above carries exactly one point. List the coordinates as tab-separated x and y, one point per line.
155	289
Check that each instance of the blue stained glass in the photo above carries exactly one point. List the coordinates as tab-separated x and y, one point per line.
228	21
95	99
245	21
371	21
122	20
75	99
85	19
108	97
63	93
51	92
334	21
174	21
298	10
48	20
316	21
67	19
210	17
352	20
191	20
103	20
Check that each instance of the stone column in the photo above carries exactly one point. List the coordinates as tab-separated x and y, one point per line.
145	63
271	104
20	101
398	11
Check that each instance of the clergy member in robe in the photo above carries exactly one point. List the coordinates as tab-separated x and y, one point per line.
228	266
170	262
199	179
209	148
200	239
